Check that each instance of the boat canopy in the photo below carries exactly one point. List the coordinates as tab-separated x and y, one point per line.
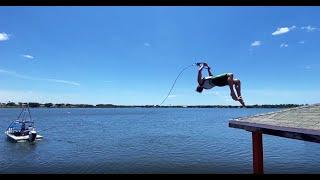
24	122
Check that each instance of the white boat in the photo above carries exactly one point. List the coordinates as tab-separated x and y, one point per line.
23	129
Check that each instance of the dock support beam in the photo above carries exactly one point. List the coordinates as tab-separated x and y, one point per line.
257	149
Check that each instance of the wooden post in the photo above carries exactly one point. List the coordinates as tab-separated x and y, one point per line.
257	149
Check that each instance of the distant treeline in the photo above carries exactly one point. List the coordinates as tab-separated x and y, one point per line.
62	105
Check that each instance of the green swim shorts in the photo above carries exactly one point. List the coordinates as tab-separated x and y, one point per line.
220	80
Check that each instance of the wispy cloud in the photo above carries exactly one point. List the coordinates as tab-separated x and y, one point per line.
39	96
4	36
228	99
17	75
211	93
147	44
172	96
301	42
307	67
284	45
309	28
28	56
256	43
62	81
283	30
108	83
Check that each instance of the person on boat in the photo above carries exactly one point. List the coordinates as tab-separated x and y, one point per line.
23	129
225	79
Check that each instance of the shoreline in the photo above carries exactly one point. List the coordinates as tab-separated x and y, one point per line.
59	106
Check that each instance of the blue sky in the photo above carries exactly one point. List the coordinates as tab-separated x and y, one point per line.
131	55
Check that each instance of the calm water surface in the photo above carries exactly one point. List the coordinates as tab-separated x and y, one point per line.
142	140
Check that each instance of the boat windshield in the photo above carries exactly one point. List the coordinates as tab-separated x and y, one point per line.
21	126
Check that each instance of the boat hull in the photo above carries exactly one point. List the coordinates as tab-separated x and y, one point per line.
25	138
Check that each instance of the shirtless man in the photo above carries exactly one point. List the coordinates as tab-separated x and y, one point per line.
220	81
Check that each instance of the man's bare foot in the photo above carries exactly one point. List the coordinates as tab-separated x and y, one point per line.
241	101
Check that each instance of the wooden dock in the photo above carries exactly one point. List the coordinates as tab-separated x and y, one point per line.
302	123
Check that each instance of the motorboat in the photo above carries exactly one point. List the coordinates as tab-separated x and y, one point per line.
23	129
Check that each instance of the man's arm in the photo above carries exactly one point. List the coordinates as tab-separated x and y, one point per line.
200	75
209	71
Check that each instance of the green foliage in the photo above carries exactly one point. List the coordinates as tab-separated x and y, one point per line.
68	105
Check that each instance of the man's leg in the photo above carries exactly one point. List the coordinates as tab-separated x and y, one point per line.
237	83
231	82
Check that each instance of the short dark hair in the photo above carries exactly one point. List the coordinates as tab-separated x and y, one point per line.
199	89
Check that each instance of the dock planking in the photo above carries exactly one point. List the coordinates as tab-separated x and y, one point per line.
302	123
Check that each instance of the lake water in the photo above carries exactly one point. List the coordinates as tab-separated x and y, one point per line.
142	140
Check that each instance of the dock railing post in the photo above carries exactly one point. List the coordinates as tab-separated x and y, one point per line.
257	150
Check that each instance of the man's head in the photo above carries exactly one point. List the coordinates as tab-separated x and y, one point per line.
199	89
